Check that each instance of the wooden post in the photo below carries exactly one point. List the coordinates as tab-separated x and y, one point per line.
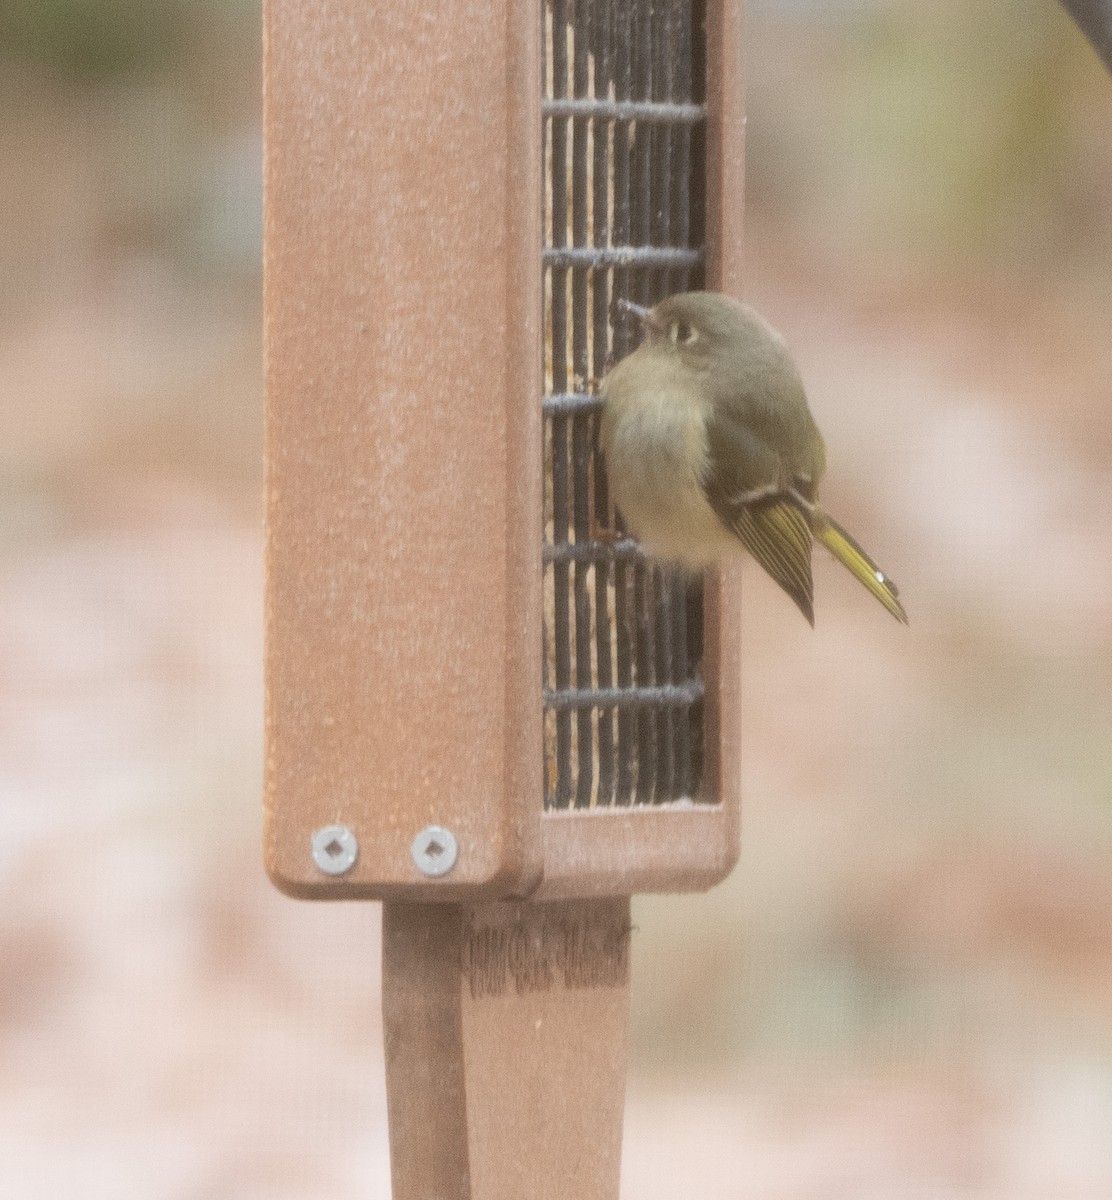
405	356
506	1037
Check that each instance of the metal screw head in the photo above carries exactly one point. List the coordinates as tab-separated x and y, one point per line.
434	850
335	849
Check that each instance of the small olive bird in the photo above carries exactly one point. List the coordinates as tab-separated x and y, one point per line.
709	442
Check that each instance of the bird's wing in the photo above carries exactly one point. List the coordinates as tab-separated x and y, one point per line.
745	485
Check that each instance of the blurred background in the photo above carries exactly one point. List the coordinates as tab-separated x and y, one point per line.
906	988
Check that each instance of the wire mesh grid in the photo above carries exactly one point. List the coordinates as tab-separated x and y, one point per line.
624	126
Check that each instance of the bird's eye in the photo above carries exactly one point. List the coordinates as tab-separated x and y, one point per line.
682	333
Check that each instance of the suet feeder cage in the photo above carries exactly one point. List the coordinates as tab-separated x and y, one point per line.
484	707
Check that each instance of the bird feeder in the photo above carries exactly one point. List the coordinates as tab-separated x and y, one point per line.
484	706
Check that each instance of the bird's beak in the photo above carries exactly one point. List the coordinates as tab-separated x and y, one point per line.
636	310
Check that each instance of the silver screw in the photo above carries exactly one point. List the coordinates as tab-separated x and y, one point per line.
434	850
335	849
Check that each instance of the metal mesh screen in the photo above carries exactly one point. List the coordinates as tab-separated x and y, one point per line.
624	121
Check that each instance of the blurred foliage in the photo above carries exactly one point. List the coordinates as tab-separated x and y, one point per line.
939	133
85	41
131	129
130	247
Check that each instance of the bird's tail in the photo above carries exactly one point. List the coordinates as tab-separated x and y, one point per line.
857	562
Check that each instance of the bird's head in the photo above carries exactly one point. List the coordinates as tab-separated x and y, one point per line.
697	327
